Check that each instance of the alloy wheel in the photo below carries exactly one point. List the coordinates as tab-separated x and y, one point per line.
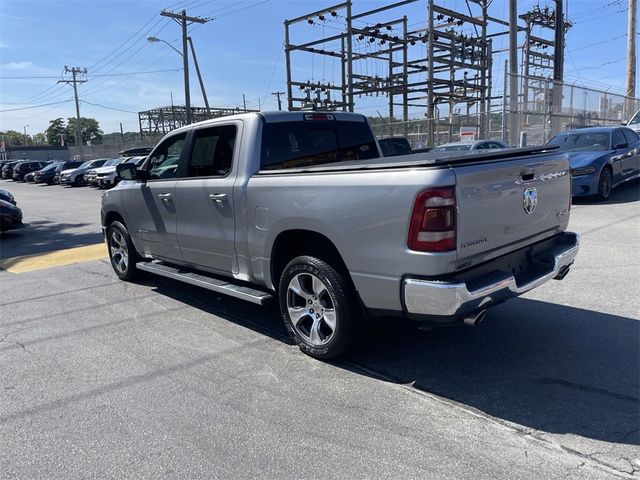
311	309
119	251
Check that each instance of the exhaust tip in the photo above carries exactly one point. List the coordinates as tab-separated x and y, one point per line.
475	319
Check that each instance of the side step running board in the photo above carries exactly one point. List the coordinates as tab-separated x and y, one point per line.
206	280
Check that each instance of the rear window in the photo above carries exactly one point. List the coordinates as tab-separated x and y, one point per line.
305	144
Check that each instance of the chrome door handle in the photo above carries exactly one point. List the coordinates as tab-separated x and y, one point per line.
218	197
165	196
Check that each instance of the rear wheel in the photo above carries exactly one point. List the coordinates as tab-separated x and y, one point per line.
122	253
79	181
318	308
605	184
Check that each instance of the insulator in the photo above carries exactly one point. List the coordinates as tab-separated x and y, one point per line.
388	27
334	13
309	21
321	17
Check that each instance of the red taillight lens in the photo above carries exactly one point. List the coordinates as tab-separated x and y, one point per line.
433	221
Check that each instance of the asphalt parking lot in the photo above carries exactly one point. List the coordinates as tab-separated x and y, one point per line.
105	379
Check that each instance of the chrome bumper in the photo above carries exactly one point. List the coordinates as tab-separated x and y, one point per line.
450	299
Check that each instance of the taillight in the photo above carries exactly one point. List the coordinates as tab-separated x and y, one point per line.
433	221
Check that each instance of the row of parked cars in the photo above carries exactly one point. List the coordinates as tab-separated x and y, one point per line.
601	158
100	173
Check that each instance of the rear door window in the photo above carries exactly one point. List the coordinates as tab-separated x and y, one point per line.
212	152
305	144
618	138
630	135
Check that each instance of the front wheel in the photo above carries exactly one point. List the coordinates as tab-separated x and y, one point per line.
318	307
122	253
79	181
604	184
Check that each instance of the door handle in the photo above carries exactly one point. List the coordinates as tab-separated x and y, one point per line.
218	197
165	197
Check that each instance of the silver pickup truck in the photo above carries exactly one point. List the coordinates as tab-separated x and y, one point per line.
301	206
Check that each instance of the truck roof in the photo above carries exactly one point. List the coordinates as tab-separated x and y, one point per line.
275	117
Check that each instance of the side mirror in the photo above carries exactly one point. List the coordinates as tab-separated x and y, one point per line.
621	145
128	171
624	123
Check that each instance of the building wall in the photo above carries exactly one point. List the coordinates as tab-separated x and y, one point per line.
37	153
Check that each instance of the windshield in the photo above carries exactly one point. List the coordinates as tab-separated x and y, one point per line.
453	148
50	167
587	141
112	162
85	164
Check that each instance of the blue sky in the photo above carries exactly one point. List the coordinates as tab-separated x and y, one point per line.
239	51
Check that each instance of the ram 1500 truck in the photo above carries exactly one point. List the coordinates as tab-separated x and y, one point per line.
301	206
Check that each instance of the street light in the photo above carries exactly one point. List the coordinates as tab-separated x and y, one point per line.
186	66
156	39
26	141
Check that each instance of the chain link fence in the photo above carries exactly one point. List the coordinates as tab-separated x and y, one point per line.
542	109
91	152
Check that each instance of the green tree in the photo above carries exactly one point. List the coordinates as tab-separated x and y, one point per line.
55	129
38	139
89	127
13	138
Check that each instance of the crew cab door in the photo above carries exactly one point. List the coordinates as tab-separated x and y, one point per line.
204	198
151	206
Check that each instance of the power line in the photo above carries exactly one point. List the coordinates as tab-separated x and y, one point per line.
105	75
108	108
34	106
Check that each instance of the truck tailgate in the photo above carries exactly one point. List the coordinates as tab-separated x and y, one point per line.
500	204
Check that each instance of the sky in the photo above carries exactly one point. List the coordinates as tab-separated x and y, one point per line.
240	51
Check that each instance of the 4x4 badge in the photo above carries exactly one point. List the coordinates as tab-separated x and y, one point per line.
530	199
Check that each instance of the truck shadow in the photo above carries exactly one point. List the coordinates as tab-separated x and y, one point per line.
42	236
555	368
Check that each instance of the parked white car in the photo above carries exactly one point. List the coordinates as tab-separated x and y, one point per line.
106	176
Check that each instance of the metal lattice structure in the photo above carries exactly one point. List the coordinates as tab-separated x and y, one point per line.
159	121
455	69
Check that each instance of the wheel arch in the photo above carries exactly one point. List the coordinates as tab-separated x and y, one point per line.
296	242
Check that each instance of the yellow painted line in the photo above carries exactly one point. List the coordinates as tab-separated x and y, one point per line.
69	256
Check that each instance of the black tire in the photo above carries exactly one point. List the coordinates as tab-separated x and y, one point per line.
79	181
122	253
312	330
605	184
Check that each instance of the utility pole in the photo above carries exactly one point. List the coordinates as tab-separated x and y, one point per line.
558	68
244	102
630	90
121	134
277	94
74	80
513	72
195	62
183	20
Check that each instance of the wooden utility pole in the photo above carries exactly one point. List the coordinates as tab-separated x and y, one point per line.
630	90
277	94
74	81
184	21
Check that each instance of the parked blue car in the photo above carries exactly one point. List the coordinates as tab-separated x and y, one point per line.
601	158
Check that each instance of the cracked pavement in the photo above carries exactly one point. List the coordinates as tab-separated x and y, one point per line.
105	379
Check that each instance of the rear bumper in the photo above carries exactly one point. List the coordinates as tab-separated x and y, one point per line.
451	300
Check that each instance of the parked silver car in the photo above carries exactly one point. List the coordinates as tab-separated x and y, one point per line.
470	145
75	176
